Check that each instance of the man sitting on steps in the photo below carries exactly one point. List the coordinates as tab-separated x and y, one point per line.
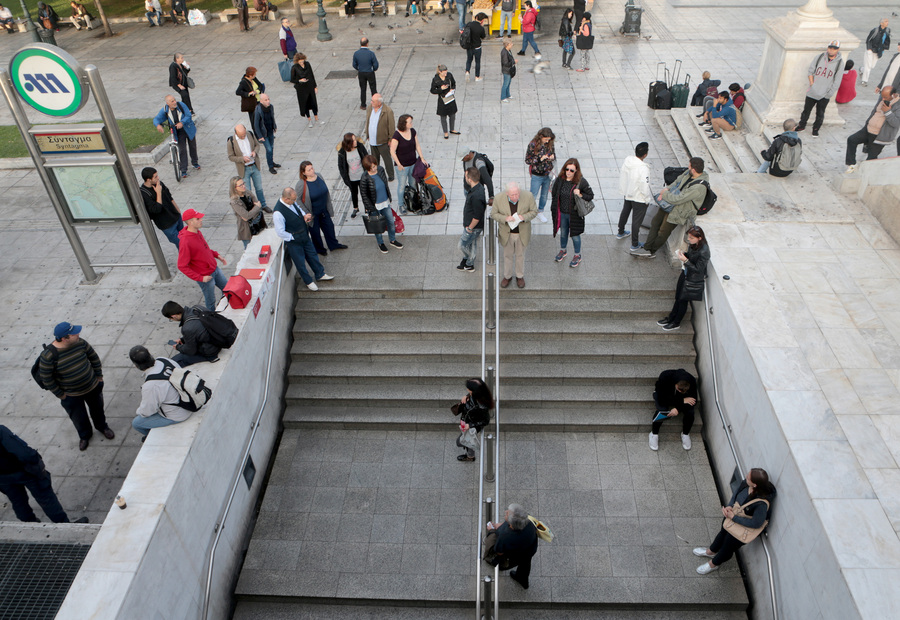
676	394
721	118
783	155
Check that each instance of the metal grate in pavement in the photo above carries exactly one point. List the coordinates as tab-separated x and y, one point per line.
341	75
35	578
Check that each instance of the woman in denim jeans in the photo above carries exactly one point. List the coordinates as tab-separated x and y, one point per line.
540	156
566	219
376	196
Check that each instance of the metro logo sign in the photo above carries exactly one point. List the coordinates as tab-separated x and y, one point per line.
48	79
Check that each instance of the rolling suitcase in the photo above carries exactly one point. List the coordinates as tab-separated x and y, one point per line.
656	86
664	96
679	91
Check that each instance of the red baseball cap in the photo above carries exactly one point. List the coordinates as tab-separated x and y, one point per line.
191	214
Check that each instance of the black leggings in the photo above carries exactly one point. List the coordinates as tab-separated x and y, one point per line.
567	58
354	194
679	308
724	547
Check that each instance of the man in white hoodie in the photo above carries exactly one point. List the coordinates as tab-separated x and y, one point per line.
634	183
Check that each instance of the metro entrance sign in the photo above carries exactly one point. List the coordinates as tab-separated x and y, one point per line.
49	80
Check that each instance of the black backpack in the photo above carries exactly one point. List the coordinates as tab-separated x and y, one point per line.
412	200
222	331
465	38
36	367
709	200
487	163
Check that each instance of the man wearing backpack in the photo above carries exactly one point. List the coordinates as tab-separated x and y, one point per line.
71	369
879	39
783	155
472	43
159	399
471	159
196	343
678	204
197	261
825	73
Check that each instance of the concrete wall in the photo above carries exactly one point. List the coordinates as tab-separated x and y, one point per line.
880	190
808	578
150	559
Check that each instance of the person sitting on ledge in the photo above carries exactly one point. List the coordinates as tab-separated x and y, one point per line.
781	158
159	398
195	344
721	118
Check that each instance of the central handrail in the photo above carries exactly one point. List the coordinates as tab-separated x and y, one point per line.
737	460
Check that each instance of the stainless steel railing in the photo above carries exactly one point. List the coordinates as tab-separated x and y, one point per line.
486	586
737	460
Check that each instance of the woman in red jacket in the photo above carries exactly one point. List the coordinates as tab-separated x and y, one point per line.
528	20
847	91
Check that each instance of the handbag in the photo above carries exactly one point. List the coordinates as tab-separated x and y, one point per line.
375	222
560	42
398	222
490	556
189	81
741	532
543	531
284	68
469	439
583	207
454	408
257	225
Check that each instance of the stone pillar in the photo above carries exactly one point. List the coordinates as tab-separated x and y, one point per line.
792	42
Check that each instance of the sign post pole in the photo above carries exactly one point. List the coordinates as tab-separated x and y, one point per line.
123	162
22	122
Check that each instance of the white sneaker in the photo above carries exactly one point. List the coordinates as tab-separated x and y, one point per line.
700	552
705	569
537	56
542	217
654	442
312	286
467	76
327	277
685	441
851	169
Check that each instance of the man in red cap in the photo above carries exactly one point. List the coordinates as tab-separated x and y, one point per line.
197	261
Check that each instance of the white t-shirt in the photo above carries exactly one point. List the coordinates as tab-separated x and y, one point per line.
892	71
5	13
244	144
373	126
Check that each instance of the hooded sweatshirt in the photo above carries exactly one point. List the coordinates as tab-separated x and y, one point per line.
788	137
827	76
634	180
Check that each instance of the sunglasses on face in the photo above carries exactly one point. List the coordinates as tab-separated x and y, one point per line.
570	169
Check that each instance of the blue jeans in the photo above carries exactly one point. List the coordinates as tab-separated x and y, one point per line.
391	231
77	407
143	425
764	167
209	288
504	90
151	14
461	12
404	178
528	37
468	245
564	220
270	152
540	185
172	231
506	22
252	173
42	490
302	252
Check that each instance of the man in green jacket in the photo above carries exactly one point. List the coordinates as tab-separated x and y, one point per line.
685	196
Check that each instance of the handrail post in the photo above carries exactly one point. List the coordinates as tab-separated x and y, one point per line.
491	323
488	510
491	257
488	607
489	469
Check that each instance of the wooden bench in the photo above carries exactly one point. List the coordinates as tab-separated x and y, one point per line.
227	14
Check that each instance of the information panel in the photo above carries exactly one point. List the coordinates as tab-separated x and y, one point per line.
91	190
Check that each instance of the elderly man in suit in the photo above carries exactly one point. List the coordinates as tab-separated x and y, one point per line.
292	224
513	210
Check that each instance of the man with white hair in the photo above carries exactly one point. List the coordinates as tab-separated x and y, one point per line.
513	210
877	42
517	541
243	149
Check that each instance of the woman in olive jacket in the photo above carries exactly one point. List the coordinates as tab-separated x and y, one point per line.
247	209
443	85
569	184
691	280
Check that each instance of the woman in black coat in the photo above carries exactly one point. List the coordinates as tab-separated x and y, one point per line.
305	83
249	89
690	282
350	157
474	411
566	34
569	184
443	85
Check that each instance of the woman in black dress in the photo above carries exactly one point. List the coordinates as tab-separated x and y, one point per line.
474	411
305	83
249	90
444	86
691	281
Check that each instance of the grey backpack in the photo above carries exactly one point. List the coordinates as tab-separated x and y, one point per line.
788	158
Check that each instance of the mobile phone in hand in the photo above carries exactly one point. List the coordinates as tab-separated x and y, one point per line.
172	343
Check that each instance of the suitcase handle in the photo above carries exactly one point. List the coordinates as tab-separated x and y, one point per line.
687	80
657	69
676	71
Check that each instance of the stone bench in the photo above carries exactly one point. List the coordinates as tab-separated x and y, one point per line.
227	14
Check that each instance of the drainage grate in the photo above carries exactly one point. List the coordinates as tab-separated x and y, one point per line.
34	578
341	75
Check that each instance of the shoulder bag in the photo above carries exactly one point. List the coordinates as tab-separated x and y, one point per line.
582	206
375	222
743	533
543	531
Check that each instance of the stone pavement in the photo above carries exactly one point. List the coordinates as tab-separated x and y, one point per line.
597	117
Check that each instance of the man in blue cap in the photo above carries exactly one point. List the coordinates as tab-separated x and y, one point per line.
70	368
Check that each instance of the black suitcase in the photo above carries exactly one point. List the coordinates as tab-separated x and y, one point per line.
656	86
664	100
671	173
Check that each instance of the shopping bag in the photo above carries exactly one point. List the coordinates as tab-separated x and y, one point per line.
196	17
284	68
398	222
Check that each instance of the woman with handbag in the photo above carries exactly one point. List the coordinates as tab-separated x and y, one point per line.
444	86
569	188
690	282
249	89
376	199
507	69
585	40
305	83
404	146
48	17
746	516
247	210
566	32
351	153
474	414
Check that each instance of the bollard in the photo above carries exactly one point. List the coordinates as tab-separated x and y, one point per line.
489	472
489	508
487	605
491	324
491	257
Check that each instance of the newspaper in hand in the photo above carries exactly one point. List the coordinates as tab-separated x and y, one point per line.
515	223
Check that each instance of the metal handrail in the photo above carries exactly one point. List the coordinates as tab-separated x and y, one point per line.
220	525
727	427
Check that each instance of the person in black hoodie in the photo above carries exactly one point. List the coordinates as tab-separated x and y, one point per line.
473	219
475	411
770	155
195	343
676	393
755	496
476	36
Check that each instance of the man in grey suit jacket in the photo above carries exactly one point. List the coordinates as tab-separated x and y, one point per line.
891	78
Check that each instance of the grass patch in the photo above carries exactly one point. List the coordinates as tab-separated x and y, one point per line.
135	8
136	132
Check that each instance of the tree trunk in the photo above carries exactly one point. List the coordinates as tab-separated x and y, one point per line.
106	27
299	13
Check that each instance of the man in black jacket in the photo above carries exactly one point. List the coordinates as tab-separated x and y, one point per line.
473	219
676	393
160	205
21	467
773	163
517	541
195	344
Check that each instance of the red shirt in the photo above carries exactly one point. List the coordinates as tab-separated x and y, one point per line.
847	92
528	20
195	259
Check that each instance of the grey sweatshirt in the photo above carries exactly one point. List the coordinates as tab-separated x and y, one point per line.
827	76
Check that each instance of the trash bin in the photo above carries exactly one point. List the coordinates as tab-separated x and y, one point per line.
632	23
46	36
